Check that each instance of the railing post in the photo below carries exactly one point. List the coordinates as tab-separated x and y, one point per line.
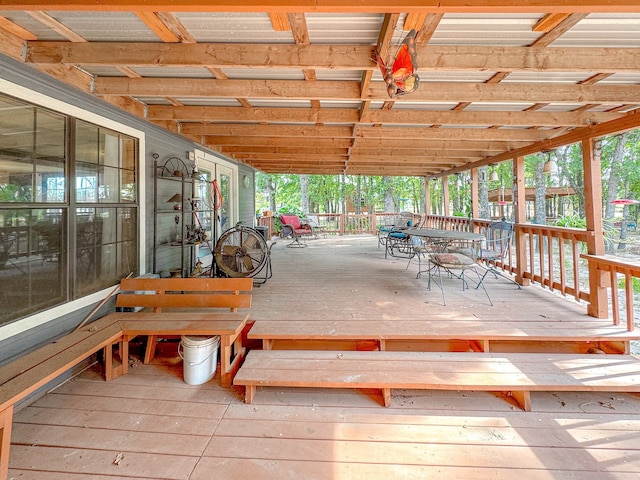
598	280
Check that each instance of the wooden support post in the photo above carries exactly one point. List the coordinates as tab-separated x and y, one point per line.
150	350
427	196
386	396
520	216
249	393
598	304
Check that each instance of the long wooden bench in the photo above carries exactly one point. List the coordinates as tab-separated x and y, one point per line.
22	377
460	335
519	374
30	372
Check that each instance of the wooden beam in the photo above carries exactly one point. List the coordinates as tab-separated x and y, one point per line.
390	117
16	30
549	22
336	57
349	90
157	26
280	21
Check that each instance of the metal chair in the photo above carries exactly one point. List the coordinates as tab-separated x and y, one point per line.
422	250
397	221
496	250
452	262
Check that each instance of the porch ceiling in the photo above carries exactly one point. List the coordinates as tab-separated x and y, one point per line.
290	87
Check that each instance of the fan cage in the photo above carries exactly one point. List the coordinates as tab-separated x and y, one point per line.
241	252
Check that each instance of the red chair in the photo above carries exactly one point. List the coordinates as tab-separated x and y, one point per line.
292	227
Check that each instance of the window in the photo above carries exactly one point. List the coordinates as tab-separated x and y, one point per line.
58	244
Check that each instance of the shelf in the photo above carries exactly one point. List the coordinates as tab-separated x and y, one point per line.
192	222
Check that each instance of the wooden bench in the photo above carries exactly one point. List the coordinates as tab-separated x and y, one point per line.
456	335
22	377
30	372
187	306
519	374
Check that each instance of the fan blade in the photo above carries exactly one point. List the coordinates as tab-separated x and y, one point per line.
229	250
248	262
250	242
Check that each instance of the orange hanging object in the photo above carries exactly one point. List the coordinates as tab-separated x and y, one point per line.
216	194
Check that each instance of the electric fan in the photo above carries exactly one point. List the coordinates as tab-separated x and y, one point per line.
241	252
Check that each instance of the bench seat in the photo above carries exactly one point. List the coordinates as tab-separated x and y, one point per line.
516	373
228	325
479	335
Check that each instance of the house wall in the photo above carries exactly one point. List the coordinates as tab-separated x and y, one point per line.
24	82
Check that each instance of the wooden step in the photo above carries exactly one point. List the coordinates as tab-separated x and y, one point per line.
483	335
517	373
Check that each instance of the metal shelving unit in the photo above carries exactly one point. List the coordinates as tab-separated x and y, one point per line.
182	213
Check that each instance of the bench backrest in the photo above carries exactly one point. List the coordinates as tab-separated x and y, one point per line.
169	293
292	220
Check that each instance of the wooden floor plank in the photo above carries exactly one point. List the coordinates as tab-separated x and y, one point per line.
425	453
109	439
64	461
135	422
106	405
123	391
477	435
258	469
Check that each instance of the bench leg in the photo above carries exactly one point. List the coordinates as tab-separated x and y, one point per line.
386	396
229	367
249	393
6	418
111	372
150	351
523	399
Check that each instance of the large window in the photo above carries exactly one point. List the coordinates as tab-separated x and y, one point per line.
68	208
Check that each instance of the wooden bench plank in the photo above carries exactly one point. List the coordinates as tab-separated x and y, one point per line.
519	373
184	300
40	374
482	334
44	353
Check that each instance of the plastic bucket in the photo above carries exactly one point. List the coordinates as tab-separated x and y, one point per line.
199	358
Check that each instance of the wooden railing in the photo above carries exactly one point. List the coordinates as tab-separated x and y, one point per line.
611	268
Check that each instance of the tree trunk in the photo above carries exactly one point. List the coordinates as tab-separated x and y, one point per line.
389	204
612	193
304	194
541	194
484	211
271	193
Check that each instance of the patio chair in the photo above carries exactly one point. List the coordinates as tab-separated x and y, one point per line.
423	249
292	227
391	224
498	245
455	265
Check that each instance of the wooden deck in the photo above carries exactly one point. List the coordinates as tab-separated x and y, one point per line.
149	424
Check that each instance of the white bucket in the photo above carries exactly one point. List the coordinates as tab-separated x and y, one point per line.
200	358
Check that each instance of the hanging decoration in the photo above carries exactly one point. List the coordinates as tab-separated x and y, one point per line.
400	72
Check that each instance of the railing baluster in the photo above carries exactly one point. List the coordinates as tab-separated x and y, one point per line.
615	306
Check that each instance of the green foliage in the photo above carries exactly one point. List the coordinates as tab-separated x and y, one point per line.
571	221
622	283
327	193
